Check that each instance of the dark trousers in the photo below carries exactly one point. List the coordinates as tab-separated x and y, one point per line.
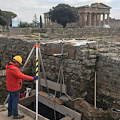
13	101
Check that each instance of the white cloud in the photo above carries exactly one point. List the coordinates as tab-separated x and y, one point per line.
25	9
82	1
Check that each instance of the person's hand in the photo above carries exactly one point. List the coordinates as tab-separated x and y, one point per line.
35	77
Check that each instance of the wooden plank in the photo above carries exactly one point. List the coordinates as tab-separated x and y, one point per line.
27	100
59	108
3	108
53	85
71	54
3	116
54	99
67	118
51	51
31	113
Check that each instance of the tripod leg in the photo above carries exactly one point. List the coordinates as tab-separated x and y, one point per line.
57	80
62	75
5	101
27	59
60	82
61	66
43	69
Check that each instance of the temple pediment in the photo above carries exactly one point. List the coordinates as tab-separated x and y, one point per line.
95	5
99	5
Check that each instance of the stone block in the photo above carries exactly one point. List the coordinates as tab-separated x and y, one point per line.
92	57
68	69
2	72
87	72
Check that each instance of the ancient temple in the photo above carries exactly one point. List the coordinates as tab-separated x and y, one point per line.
96	14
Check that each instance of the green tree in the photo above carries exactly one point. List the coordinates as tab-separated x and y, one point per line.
25	25
40	21
63	14
3	21
9	16
6	17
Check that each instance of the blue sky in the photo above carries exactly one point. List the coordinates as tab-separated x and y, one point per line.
25	9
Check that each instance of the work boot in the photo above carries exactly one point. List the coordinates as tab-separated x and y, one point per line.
18	117
9	114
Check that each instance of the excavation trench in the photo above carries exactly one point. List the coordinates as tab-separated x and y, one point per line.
48	107
45	111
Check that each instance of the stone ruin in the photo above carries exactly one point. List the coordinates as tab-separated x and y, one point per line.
85	56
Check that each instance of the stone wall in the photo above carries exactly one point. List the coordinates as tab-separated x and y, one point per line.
60	33
108	80
1	28
114	22
3	91
10	47
78	70
102	56
108	72
87	32
20	31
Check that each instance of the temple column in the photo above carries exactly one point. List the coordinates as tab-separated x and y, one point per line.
45	21
83	19
99	23
97	18
80	20
108	19
49	22
103	18
94	19
89	19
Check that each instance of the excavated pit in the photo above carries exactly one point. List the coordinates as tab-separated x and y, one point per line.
45	111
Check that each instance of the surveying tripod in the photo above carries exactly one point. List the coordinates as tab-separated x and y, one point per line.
38	59
60	74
